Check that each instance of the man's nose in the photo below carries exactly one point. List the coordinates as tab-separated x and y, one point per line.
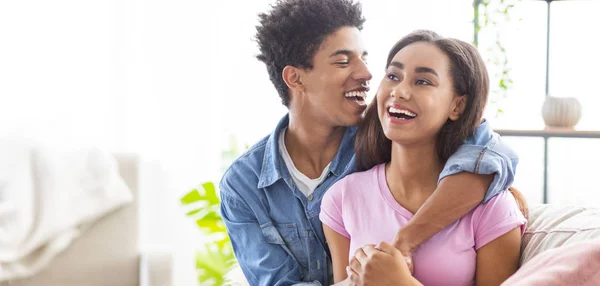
362	72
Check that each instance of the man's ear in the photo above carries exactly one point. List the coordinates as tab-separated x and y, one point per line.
459	103
292	76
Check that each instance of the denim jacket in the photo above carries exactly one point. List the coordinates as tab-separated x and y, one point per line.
275	230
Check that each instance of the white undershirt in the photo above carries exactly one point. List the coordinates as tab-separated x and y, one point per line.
305	184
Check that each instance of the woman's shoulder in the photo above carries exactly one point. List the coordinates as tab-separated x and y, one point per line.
503	202
497	216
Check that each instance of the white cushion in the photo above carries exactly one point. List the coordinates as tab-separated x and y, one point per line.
552	226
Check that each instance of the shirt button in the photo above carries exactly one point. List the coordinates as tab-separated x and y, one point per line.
310	197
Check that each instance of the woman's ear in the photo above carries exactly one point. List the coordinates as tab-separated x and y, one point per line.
292	76
458	107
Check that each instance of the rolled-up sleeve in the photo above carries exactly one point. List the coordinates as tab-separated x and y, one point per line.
484	153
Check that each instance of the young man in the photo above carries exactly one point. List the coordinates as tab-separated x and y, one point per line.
271	195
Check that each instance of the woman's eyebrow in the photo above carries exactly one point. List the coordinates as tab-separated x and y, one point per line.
397	64
417	69
426	70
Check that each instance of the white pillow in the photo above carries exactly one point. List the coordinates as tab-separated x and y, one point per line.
552	226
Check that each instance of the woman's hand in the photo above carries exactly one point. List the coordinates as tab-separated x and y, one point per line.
380	265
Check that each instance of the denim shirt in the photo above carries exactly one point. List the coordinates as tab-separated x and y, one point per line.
275	230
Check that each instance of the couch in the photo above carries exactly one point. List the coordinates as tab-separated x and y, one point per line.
108	253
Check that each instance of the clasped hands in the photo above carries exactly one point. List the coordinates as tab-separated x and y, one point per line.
382	264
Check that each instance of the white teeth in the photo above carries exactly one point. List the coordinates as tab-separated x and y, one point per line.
402	111
351	94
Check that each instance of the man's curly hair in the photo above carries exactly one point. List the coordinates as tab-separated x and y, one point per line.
292	32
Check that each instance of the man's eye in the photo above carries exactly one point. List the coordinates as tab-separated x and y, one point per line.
343	62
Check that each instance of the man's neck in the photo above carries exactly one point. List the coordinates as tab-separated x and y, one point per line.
312	146
412	173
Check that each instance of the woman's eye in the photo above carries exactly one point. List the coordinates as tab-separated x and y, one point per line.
422	82
391	76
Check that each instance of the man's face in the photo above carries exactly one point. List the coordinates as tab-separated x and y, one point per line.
336	87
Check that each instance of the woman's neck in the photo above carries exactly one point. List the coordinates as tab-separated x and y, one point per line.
412	173
312	146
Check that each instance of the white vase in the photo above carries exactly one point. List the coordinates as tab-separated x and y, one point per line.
561	111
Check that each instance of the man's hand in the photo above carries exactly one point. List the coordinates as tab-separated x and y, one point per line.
381	265
402	243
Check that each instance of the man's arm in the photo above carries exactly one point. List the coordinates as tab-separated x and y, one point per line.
455	196
479	170
259	250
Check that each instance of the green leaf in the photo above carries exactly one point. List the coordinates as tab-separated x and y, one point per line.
209	226
210	222
214	260
212	264
206	194
224	243
206	213
191	197
210	194
208	216
193	212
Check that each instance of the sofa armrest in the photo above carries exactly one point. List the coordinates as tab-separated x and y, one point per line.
156	268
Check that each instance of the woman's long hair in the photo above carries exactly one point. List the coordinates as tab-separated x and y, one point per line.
469	77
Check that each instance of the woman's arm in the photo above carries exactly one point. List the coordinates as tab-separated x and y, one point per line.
499	259
339	246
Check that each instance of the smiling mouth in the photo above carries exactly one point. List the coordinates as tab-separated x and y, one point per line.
357	95
402	114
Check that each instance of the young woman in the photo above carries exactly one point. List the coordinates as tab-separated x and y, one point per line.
431	99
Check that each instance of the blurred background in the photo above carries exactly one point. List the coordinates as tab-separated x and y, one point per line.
177	83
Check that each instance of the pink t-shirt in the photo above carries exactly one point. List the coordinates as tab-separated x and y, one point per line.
362	208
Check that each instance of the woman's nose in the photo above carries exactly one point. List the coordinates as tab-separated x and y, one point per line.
400	91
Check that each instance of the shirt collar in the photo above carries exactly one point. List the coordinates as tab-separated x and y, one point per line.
273	165
270	171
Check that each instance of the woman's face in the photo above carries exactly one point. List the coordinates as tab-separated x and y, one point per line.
416	96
